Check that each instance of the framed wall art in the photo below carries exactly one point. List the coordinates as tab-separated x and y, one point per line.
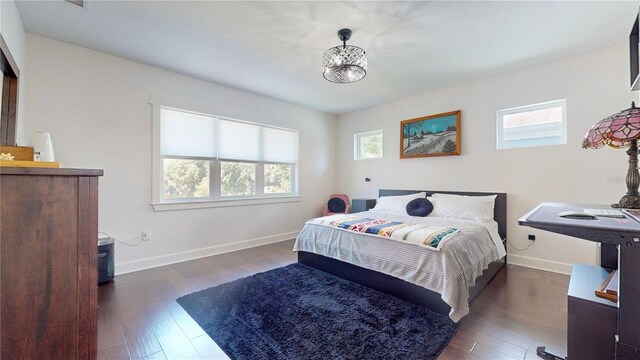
434	135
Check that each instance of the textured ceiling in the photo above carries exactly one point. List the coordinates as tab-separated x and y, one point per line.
275	48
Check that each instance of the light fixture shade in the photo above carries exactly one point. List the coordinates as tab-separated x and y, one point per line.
344	64
617	131
42	146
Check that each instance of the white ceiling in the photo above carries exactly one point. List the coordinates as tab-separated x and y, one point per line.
275	48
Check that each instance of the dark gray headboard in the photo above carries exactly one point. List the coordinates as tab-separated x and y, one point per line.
499	212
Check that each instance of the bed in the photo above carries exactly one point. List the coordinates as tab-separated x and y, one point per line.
444	280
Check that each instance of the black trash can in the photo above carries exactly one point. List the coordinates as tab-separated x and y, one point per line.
105	258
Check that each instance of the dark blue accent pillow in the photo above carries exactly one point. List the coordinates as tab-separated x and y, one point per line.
419	207
336	205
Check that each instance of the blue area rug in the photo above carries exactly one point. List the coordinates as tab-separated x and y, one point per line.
297	312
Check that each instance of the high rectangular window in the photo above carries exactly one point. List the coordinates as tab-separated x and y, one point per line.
532	125
367	145
208	158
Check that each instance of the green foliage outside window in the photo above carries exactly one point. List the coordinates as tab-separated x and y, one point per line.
185	178
277	179
371	146
238	179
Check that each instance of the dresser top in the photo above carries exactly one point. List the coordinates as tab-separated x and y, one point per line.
50	171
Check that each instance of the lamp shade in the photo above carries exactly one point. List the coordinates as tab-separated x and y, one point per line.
42	145
617	130
620	130
344	64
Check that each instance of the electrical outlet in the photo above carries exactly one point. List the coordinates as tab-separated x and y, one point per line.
532	237
146	235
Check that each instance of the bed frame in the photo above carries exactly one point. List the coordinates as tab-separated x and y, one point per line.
403	289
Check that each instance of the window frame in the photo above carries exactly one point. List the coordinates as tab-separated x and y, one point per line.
500	114
215	199
356	144
10	91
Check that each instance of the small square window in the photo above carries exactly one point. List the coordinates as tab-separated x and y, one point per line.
367	145
532	125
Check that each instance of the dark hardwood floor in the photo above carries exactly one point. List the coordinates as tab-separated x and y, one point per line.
138	317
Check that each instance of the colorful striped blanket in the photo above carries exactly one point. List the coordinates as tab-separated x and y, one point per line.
419	234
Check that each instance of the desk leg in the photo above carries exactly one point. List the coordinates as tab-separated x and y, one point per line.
628	346
609	256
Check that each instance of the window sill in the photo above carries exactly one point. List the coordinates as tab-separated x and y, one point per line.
201	204
371	158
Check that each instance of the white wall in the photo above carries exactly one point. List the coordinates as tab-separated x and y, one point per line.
13	33
595	85
96	108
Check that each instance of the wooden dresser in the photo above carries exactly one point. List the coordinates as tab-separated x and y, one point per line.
48	263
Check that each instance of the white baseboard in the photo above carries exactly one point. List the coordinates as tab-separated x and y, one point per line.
142	264
540	264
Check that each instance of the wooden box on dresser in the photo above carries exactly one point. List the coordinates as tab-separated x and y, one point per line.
48	258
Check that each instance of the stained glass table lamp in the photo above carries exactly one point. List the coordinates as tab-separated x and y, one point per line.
620	130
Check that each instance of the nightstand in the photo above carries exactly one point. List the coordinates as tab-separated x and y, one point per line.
359	205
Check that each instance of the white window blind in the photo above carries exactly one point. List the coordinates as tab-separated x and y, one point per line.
279	145
187	134
202	160
238	141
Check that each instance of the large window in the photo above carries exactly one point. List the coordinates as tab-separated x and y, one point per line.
532	125
367	145
205	158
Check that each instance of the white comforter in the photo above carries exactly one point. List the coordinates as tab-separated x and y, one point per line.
450	271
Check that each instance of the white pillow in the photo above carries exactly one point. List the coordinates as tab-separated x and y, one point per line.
397	204
463	207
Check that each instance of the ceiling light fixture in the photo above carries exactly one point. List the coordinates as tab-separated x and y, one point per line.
344	64
76	2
